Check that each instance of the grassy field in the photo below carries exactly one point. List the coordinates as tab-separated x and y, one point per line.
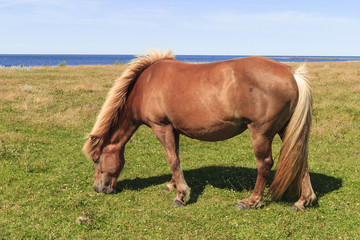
46	182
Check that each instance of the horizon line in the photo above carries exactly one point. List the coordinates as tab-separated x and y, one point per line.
129	54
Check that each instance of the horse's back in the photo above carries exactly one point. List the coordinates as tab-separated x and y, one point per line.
214	101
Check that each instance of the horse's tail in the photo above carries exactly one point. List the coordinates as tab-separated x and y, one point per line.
116	99
294	150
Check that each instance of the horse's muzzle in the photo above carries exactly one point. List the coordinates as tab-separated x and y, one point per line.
99	188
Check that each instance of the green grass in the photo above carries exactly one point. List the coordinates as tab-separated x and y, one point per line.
46	181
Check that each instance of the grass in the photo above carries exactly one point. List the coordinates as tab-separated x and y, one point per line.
46	182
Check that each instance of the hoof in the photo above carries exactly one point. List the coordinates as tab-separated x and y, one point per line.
297	208
178	203
167	189
239	206
243	205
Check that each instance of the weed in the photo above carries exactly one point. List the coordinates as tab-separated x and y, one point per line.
27	88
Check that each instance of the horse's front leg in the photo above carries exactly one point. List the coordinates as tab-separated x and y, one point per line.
171	185
262	150
169	139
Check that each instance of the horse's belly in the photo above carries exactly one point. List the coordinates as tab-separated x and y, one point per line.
214	132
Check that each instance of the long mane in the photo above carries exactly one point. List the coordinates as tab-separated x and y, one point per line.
116	99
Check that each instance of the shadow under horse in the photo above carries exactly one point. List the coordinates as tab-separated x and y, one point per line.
231	178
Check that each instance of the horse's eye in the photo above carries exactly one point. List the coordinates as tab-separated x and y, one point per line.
96	161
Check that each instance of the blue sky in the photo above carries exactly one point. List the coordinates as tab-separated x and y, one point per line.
253	27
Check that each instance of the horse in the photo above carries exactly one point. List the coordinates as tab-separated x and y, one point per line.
209	102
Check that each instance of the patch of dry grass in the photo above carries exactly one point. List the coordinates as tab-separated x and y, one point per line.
53	94
336	94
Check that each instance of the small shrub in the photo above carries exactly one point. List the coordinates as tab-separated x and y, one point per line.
62	64
118	63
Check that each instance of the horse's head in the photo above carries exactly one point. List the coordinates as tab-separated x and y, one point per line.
108	164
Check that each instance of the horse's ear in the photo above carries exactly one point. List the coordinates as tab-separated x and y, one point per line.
93	138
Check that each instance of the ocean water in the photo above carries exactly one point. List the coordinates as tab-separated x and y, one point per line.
8	60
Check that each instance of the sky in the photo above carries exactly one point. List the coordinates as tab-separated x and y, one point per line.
221	27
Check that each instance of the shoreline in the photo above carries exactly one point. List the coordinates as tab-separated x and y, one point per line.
79	60
28	68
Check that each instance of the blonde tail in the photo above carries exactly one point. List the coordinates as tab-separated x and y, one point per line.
294	150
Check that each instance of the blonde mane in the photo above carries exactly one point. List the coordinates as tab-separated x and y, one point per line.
116	99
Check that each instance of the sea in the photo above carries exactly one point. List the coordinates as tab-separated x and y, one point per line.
8	60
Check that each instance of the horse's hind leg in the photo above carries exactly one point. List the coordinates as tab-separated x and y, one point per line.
264	161
169	139
307	194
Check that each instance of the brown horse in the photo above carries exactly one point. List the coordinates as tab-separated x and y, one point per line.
209	102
